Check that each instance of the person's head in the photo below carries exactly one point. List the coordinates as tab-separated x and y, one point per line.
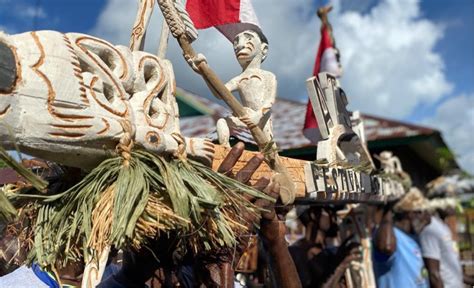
445	207
411	212
249	45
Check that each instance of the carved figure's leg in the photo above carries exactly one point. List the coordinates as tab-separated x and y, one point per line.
268	129
223	133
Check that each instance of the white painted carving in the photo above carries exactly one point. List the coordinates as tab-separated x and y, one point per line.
74	92
389	163
339	144
256	87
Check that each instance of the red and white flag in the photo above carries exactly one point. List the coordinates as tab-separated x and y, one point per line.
326	61
230	17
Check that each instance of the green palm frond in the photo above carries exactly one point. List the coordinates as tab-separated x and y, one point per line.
124	206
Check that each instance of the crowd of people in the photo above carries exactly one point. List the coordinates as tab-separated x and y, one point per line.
403	243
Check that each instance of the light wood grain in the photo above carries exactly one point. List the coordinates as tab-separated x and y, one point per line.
295	168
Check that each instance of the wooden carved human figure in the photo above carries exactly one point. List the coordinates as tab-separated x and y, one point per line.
389	163
74	97
256	87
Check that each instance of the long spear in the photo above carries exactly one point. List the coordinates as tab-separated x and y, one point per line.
183	30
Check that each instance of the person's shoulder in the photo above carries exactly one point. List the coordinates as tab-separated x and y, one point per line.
434	229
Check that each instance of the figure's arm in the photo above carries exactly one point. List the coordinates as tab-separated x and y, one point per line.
385	241
273	232
434	274
271	96
232	85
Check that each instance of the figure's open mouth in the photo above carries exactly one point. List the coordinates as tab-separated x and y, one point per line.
243	53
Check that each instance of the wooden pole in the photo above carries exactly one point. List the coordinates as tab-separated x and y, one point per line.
163	45
137	38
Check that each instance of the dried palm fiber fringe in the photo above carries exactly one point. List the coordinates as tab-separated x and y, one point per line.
130	198
7	210
17	235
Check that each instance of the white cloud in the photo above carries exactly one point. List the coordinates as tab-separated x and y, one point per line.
388	53
31	12
390	66
389	59
455	118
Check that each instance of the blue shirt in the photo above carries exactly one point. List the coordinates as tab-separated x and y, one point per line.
404	268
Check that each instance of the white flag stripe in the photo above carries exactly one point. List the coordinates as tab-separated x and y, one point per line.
247	13
329	62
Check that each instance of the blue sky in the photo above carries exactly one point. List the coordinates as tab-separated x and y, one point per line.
424	73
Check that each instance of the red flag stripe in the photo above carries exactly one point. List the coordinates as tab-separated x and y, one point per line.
325	43
310	128
209	13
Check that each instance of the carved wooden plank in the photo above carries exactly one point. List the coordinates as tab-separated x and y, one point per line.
315	182
7	68
295	168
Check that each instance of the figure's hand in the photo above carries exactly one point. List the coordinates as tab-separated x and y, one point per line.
348	251
195	61
324	11
252	115
354	255
200	148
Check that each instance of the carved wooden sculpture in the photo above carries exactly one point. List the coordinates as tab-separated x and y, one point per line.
257	87
181	28
340	144
80	101
389	163
73	93
354	220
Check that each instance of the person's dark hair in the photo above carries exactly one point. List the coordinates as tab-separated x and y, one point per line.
309	215
399	216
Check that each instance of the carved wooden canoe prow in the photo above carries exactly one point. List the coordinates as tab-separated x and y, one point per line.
67	98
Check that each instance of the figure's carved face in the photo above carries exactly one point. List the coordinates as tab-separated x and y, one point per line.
247	46
386	155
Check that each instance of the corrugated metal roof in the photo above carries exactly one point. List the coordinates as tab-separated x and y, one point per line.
288	119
